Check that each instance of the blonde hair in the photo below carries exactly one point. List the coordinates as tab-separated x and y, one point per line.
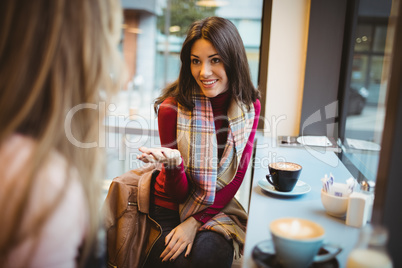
55	55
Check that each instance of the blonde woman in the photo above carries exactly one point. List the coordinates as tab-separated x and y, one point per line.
55	56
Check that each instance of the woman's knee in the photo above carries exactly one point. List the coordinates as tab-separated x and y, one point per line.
211	249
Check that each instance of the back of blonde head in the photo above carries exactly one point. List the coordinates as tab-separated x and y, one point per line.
55	55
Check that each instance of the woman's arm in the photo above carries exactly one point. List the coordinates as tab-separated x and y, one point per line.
227	193
176	183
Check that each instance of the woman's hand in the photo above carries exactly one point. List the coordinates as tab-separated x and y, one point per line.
179	239
171	157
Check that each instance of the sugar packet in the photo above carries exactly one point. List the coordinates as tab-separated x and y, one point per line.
338	189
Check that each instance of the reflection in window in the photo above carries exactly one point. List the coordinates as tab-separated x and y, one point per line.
379	38
366	110
363	38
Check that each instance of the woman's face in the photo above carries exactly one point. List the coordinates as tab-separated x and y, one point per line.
207	68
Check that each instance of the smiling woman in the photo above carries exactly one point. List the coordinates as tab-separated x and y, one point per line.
225	49
211	105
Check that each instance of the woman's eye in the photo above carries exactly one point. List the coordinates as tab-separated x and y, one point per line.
195	61
216	60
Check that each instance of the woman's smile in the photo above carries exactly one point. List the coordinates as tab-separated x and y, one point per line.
209	83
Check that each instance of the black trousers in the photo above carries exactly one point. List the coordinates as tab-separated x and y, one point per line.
210	249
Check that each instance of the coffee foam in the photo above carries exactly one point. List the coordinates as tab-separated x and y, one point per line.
296	228
285	166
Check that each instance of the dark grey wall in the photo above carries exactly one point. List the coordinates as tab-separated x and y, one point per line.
324	53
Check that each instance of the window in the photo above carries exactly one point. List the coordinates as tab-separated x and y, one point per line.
367	93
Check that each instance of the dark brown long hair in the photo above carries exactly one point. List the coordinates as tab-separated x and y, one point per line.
224	36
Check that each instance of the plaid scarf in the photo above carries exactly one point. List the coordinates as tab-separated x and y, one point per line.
198	146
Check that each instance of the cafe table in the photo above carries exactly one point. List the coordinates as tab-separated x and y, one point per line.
266	206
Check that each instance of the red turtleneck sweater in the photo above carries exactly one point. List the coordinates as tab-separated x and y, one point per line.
171	187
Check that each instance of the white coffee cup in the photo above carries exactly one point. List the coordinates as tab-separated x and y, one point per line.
297	242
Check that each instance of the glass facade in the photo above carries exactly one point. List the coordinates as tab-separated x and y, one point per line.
367	92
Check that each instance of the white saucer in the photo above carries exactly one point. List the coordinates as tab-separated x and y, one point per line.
300	188
321	141
264	256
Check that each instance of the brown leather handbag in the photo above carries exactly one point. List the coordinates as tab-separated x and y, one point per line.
130	231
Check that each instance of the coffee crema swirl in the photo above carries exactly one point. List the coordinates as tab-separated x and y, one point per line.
295	228
285	166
